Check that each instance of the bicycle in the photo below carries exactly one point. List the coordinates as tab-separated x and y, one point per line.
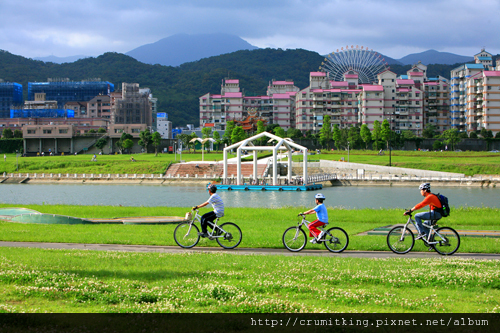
444	240
228	234
335	239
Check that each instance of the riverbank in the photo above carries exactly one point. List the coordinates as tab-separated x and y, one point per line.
346	180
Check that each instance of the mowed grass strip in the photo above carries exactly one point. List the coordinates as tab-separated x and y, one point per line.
469	163
261	227
42	280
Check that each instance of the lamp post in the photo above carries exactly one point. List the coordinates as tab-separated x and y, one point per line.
17	160
390	137
175	151
348	143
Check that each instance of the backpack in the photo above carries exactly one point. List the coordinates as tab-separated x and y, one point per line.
445	210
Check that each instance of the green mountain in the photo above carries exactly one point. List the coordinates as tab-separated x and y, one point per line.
178	88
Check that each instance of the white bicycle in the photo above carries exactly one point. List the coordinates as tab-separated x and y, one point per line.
228	234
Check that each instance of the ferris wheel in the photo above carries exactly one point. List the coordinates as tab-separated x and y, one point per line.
354	60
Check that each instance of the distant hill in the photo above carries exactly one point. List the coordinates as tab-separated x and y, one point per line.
61	60
181	48
434	57
178	88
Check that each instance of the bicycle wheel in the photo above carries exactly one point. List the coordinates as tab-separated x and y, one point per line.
448	241
231	235
336	240
294	239
186	235
400	243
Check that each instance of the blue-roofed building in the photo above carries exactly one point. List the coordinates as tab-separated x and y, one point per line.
484	58
69	91
11	96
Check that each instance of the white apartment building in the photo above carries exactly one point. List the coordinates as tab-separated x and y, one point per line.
483	102
277	107
323	97
164	126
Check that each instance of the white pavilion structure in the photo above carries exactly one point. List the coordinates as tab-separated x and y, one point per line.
279	145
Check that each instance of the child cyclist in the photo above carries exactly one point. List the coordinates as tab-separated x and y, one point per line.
322	218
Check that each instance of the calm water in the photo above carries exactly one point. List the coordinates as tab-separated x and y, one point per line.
183	196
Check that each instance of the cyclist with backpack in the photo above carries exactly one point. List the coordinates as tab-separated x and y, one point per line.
322	218
435	213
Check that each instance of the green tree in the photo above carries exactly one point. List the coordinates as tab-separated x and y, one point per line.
486	134
325	134
238	134
144	139
7	133
437	145
376	134
497	136
128	144
156	140
408	135
386	132
451	137
191	137
294	133
216	137
101	130
366	135
184	139
429	131
261	128
206	132
228	133
278	131
119	143
101	143
336	135
18	134
354	136
473	135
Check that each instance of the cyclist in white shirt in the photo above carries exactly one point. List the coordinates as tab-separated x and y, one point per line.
218	206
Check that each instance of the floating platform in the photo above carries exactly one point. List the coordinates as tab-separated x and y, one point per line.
296	188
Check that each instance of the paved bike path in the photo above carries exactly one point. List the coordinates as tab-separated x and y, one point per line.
243	251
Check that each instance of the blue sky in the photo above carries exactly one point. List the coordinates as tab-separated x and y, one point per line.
37	28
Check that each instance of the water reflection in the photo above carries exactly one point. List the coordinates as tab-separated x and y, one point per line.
184	196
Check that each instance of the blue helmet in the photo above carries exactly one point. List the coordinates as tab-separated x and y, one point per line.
319	196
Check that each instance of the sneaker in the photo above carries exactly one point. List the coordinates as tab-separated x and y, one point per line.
422	235
314	241
321	235
203	234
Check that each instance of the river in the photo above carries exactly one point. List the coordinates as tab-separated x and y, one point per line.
185	196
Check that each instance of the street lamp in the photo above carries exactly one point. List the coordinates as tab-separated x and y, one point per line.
348	143
390	137
17	160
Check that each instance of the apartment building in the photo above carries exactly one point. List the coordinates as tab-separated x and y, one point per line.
483	102
130	106
323	97
11	95
63	90
276	107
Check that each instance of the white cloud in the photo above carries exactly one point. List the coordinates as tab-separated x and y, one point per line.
392	27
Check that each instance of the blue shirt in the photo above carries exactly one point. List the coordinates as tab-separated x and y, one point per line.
321	213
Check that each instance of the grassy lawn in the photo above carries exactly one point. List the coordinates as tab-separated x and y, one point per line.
37	280
261	228
47	280
469	163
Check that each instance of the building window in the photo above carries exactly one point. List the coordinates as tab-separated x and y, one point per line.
31	131
63	131
47	131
